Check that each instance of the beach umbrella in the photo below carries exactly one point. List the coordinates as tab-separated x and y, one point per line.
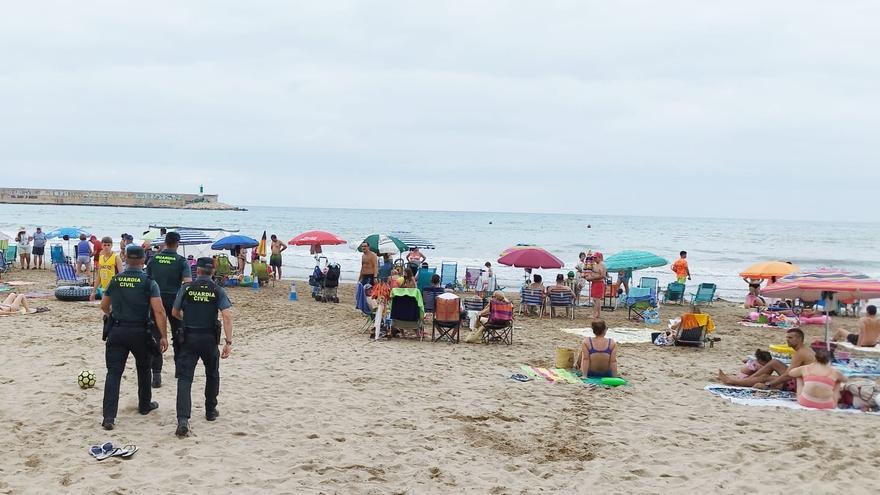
316	238
233	241
531	257
514	248
769	269
189	237
71	232
633	260
412	240
384	244
824	284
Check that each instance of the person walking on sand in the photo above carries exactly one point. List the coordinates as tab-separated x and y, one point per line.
277	248
681	269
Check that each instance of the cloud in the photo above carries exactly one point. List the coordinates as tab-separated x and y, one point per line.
587	107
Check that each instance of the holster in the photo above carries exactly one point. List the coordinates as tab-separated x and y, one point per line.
218	327
177	335
105	331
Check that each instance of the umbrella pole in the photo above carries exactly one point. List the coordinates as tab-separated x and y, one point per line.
827	344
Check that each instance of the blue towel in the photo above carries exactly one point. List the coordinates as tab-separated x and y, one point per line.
360	300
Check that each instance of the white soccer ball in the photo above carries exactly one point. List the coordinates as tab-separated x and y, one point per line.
86	379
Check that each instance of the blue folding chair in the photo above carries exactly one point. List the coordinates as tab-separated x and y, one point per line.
424	278
448	274
66	275
429	296
674	293
639	300
560	299
4	266
56	251
531	297
10	254
705	295
650	283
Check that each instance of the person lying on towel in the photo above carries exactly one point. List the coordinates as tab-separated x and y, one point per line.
599	353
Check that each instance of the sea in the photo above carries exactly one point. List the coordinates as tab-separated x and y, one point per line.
718	249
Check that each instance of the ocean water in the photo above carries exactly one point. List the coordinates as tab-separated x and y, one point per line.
718	249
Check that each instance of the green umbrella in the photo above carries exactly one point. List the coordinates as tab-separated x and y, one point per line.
633	260
384	244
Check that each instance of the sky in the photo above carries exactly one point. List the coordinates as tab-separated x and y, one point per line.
745	109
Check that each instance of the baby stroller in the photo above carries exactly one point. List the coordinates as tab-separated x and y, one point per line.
330	283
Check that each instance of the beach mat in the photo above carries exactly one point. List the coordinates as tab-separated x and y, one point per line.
748	396
37	294
753	324
866	367
621	335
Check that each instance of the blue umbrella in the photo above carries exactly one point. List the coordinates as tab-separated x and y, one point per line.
633	260
71	232
234	241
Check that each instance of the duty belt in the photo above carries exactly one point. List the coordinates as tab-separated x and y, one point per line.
207	330
129	323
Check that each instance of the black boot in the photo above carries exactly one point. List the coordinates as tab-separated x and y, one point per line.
108	423
153	405
157	379
212	414
182	427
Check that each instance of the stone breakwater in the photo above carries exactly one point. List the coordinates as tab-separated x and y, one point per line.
77	197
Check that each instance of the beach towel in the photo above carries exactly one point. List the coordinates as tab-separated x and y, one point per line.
621	335
868	367
747	396
762	325
855	348
557	375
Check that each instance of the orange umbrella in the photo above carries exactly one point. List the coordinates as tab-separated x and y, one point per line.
768	269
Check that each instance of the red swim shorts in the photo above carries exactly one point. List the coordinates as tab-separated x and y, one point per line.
597	289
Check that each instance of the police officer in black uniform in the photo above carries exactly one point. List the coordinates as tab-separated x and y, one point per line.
126	304
198	305
170	270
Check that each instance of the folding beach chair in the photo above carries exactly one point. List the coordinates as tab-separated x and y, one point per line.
610	299
531	297
260	271
424	278
695	329
650	283
560	299
224	269
4	266
674	294
474	303
447	319
705	295
429	296
66	275
407	310
499	328
360	300
471	276
639	300
10	254
448	274
56	252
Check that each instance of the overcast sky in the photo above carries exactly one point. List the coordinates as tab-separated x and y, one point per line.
733	109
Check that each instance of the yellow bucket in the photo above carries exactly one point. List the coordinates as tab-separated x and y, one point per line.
565	357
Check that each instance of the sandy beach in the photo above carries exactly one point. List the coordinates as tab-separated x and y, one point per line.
309	405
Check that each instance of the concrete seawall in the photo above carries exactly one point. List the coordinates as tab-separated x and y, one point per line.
111	198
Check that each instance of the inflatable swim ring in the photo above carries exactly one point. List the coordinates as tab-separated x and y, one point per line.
781	349
73	293
613	381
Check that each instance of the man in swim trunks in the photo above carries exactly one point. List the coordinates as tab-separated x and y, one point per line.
598	354
369	265
39	248
869	330
681	269
763	377
275	258
596	275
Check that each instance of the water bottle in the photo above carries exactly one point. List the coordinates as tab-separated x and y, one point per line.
293	291
256	284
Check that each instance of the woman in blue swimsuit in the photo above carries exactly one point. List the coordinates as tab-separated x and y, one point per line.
598	354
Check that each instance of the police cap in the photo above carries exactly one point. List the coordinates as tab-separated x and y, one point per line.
134	252
205	263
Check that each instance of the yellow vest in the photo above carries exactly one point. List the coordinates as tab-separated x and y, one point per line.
106	269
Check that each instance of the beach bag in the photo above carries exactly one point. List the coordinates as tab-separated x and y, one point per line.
860	394
474	337
565	357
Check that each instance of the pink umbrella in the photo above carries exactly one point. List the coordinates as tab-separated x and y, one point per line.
316	238
530	257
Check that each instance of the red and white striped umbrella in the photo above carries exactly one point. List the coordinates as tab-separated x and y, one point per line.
810	285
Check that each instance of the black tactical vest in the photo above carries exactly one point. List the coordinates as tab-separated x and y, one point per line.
130	296
165	269
199	305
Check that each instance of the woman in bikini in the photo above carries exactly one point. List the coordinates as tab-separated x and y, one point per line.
14	304
818	384
598	354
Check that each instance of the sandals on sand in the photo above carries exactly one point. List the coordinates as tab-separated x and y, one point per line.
101	452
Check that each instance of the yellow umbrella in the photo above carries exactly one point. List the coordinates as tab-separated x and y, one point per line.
767	269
